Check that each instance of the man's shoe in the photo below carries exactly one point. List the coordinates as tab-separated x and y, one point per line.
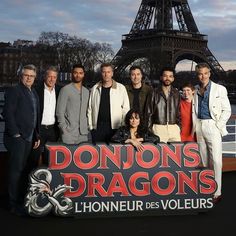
19	211
217	199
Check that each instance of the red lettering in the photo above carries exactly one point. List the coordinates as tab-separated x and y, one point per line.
130	157
60	157
207	178
106	153
170	186
191	182
117	185
95	182
155	157
145	190
175	155
190	151
73	179
90	151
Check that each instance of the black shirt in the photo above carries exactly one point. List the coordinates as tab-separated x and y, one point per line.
136	104
104	114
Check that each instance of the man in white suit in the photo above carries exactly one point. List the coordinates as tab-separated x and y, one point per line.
211	111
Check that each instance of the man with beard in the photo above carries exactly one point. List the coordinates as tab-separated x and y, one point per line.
163	113
72	109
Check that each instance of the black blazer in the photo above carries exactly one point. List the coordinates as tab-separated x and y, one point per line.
40	91
18	112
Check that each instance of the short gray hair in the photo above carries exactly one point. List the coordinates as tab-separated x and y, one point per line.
202	65
51	68
28	67
106	64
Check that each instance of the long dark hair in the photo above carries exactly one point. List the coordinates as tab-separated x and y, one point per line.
141	129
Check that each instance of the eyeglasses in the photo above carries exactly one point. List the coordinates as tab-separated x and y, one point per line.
29	76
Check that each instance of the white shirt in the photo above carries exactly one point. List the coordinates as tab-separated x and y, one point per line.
49	106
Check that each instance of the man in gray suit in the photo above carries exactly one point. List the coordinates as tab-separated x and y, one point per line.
72	109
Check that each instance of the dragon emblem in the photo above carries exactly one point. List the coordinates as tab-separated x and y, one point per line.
41	199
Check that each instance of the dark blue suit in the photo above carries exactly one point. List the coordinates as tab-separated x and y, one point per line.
20	117
18	112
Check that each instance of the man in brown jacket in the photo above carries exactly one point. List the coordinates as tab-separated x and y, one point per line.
138	91
163	109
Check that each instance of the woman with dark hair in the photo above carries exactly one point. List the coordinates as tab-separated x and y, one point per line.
134	132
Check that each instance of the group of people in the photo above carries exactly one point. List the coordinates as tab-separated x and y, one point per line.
110	112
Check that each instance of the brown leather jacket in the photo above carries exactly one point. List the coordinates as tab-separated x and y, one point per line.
163	111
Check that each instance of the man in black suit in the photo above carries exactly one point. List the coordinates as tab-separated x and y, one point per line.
49	132
21	113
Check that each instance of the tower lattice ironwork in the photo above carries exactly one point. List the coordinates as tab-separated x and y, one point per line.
153	37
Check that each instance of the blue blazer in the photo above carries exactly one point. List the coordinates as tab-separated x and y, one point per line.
18	112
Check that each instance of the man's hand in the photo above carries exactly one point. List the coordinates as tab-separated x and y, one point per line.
36	144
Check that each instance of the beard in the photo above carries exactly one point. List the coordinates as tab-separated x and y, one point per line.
76	81
166	82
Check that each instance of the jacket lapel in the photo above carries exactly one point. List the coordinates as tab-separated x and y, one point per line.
212	95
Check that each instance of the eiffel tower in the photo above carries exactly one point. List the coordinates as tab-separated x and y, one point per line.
154	38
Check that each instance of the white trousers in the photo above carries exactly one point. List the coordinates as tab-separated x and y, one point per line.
210	146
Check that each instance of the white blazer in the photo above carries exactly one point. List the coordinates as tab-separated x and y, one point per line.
219	107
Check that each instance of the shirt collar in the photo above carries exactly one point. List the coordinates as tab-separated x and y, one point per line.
207	87
47	88
114	84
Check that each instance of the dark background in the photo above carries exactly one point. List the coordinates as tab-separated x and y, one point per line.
221	220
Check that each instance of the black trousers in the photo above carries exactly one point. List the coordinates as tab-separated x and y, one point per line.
47	134
103	133
19	151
